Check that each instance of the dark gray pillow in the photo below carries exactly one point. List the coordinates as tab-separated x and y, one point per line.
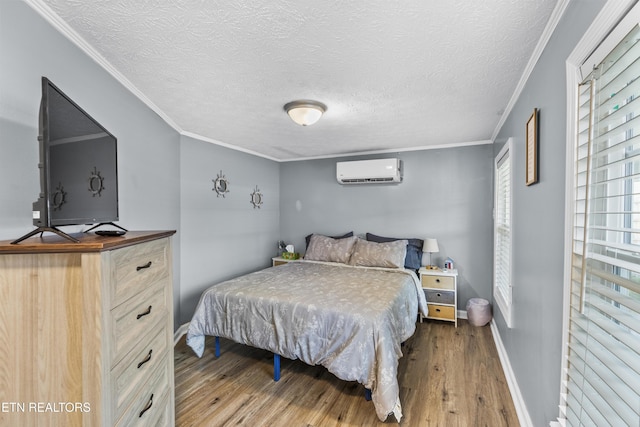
308	238
413	260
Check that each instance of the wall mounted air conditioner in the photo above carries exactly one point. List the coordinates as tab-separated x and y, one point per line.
379	171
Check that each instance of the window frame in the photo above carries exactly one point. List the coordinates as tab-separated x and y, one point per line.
611	24
503	296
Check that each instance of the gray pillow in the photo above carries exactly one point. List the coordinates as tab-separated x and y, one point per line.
308	238
413	260
323	248
373	254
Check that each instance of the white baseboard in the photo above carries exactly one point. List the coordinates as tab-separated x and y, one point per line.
462	314
182	330
518	401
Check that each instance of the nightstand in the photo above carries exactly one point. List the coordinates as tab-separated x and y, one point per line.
278	260
441	289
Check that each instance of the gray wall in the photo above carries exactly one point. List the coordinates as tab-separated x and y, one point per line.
148	150
534	344
223	237
165	183
446	194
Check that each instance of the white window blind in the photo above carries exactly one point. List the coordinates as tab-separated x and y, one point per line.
603	368
502	232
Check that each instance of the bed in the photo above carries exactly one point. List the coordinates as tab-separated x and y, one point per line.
348	317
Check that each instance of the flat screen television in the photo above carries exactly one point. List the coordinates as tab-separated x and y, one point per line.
78	167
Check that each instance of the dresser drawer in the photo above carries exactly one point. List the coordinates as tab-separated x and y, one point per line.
150	404
442	312
164	416
439	282
440	297
137	267
134	371
132	320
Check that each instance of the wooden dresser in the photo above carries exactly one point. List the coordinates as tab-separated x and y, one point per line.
86	331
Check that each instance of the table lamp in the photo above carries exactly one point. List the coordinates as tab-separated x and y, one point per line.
430	246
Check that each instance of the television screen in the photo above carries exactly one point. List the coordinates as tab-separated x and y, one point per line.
82	164
78	167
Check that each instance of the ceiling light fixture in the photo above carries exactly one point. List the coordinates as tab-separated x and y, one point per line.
305	112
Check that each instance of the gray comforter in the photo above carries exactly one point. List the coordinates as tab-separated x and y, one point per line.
351	320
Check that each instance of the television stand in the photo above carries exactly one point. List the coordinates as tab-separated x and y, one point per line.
105	223
42	230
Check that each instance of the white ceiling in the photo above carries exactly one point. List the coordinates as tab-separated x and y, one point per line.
395	75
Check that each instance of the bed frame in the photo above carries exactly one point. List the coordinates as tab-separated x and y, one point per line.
276	367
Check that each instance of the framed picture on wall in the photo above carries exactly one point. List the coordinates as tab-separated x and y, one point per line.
532	148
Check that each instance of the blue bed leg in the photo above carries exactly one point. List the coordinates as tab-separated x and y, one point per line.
367	394
276	367
217	346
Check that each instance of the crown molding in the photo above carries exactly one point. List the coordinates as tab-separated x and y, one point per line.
63	28
391	150
225	145
554	19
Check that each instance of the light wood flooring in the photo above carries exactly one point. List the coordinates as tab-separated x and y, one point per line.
448	377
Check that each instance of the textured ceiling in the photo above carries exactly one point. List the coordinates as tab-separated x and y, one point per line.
394	75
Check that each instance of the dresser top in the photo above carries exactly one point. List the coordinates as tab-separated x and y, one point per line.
89	242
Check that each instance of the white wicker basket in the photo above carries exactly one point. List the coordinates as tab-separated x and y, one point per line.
478	311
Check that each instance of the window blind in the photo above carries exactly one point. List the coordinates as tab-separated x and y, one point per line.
602	386
502	238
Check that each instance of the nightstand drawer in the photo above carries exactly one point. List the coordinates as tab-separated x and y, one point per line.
442	312
440	297
440	282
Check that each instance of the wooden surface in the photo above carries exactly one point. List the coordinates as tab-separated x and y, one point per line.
89	242
48	316
58	325
448	377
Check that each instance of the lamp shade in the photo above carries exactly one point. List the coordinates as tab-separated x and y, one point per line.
305	112
430	245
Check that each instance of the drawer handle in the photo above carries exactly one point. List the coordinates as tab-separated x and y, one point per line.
438	310
146	359
144	314
439	294
142	267
437	280
146	408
